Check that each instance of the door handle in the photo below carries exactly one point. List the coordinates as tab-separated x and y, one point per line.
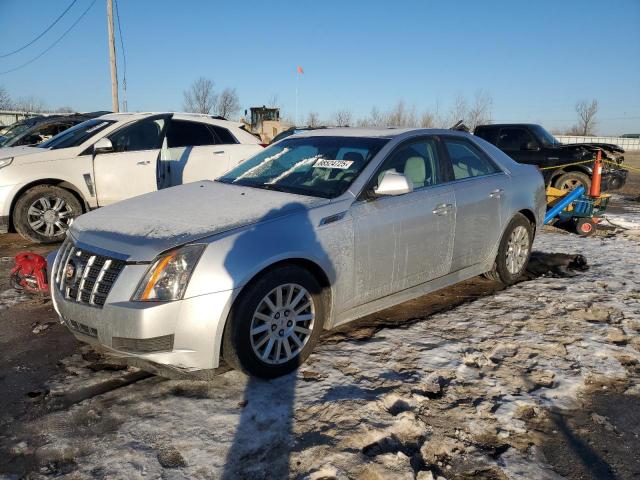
442	209
144	162
219	152
497	193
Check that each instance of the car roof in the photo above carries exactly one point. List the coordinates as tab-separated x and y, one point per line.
498	125
201	117
376	132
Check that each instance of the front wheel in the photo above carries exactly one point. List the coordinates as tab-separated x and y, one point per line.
275	323
572	180
43	213
514	251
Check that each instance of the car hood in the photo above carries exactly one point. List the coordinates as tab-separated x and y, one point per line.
140	228
19	151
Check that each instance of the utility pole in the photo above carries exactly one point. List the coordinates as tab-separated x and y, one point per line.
115	104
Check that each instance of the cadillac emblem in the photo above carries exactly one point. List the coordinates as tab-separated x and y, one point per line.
70	271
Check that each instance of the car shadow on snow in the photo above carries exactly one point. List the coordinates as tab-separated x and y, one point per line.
263	440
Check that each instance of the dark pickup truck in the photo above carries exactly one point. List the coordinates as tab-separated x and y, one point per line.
532	144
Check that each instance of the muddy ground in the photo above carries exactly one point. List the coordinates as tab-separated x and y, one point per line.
597	437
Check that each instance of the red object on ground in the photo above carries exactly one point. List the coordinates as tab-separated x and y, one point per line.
596	177
30	273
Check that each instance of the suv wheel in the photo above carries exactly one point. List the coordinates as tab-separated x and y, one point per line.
571	180
275	323
514	251
43	213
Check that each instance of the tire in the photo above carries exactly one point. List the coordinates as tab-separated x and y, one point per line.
504	270
248	353
585	227
55	207
571	180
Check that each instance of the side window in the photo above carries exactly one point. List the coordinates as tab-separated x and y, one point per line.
514	139
467	160
142	135
418	161
223	135
189	134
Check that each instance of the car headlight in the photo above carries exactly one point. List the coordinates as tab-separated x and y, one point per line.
5	161
169	275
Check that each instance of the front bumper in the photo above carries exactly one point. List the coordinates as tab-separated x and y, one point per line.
184	335
613	179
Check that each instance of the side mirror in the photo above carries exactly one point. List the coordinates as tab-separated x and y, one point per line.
103	145
530	146
394	183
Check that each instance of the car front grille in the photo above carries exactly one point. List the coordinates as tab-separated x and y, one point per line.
143	345
85	277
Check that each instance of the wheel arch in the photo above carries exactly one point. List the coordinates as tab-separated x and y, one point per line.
573	168
51	182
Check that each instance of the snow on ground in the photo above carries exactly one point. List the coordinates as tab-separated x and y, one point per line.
451	394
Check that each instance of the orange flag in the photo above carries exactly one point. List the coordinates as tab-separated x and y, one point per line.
300	69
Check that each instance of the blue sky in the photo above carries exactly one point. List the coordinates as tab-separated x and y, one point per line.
536	59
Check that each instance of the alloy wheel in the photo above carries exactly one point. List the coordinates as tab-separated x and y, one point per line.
282	324
49	216
517	250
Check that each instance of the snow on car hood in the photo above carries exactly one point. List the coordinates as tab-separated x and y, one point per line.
142	227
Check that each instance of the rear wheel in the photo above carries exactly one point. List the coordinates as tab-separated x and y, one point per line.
275	323
572	180
43	213
514	251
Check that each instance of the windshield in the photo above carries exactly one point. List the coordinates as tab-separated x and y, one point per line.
545	137
315	166
77	135
14	130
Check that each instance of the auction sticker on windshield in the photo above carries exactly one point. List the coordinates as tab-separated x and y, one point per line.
341	164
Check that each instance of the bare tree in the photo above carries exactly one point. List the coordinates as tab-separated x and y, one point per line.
64	109
5	99
480	111
199	98
586	117
342	118
228	104
313	119
401	116
428	119
30	104
375	119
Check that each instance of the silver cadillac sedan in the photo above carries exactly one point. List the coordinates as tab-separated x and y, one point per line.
317	230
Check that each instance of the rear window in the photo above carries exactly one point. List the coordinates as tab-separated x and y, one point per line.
223	135
488	134
189	134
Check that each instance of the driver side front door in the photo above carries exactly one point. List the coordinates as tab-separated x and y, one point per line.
130	169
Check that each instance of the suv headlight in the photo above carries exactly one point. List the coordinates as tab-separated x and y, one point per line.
169	275
5	161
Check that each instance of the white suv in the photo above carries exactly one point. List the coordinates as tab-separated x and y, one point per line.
108	159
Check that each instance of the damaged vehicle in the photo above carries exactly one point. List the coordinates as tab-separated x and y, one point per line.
313	232
35	130
559	163
108	159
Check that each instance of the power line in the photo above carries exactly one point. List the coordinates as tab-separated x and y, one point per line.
40	36
124	61
53	44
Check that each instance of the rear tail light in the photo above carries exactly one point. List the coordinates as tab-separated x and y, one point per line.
264	145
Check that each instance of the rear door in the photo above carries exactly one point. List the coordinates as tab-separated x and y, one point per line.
130	169
236	151
404	240
193	152
481	190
